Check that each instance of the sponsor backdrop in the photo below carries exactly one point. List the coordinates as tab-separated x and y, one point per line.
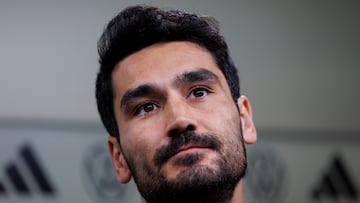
69	163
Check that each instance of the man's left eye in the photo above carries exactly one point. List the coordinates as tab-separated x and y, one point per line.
199	92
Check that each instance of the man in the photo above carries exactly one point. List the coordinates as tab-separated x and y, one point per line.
168	94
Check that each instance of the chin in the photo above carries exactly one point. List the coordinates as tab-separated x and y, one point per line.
184	166
196	182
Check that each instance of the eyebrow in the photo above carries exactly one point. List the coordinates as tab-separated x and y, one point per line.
145	90
140	91
199	75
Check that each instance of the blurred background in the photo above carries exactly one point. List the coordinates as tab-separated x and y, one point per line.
298	61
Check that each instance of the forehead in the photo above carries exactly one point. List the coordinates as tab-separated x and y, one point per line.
160	63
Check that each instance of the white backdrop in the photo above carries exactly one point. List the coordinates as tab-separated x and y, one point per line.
299	61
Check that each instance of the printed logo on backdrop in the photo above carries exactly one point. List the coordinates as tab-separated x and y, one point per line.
25	176
336	183
266	177
99	177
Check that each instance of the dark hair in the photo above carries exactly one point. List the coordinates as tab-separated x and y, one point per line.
141	26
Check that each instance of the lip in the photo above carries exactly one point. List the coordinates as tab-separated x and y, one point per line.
189	149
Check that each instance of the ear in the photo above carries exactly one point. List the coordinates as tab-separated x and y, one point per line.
121	168
247	124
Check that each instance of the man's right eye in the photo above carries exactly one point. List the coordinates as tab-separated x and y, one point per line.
145	109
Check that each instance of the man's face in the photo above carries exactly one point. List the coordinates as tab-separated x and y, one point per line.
179	127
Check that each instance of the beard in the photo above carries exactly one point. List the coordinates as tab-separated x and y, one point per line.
213	182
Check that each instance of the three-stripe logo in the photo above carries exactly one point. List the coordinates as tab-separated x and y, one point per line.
336	183
35	172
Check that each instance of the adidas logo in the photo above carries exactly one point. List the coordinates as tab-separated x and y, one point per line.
22	175
336	183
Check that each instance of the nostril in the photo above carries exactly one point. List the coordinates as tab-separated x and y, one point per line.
179	131
190	128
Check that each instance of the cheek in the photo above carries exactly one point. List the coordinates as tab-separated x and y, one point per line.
140	141
223	116
224	121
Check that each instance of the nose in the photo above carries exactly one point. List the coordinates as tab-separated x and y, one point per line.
179	116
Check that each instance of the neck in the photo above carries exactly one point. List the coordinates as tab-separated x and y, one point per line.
238	194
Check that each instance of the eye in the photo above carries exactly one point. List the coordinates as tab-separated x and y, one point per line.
146	108
199	92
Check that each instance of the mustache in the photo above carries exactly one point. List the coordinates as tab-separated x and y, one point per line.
185	138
